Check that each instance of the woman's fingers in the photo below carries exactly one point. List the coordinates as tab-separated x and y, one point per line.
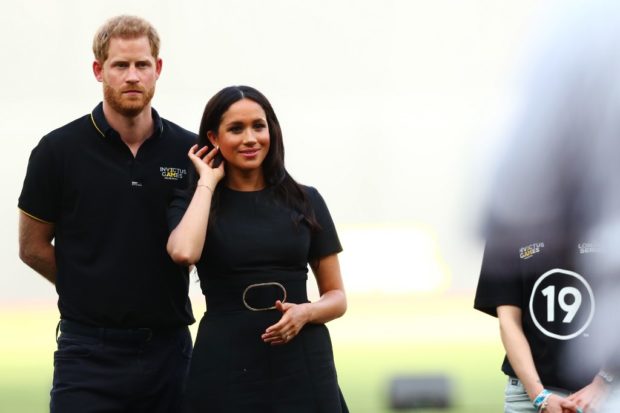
210	156
290	324
278	337
203	155
194	152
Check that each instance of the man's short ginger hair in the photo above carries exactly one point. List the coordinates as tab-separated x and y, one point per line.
125	27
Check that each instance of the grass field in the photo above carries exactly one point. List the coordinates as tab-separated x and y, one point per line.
380	337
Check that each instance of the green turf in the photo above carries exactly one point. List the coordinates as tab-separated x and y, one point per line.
366	371
438	337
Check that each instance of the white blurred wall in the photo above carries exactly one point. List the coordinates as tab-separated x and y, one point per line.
388	107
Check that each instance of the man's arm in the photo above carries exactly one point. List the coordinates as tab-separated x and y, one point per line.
35	246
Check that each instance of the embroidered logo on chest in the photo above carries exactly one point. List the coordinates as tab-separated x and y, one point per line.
529	250
172	174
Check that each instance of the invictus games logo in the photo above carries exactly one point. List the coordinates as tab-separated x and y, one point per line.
561	304
529	250
172	174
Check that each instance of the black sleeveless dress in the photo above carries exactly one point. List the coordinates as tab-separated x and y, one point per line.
256	249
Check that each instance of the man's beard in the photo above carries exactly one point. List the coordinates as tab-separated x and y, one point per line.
127	107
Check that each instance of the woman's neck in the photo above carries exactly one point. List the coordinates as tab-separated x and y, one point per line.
245	182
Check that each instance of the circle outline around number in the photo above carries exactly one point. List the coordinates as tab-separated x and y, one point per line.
533	315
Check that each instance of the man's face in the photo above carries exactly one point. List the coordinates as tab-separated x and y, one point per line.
128	75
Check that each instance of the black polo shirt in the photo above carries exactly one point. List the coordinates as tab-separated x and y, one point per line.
109	211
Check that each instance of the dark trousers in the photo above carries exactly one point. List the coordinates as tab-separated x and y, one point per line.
116	370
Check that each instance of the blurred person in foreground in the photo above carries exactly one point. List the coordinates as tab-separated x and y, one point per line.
548	263
252	232
93	222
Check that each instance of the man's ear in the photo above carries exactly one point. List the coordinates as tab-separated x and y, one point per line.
98	70
158	65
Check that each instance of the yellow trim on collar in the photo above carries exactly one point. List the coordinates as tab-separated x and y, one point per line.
95	125
33	217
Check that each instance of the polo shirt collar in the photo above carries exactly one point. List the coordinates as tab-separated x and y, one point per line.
105	130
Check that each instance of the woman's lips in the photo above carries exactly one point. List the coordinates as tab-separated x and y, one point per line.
249	153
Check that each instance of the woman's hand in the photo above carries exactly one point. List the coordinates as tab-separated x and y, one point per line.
592	396
558	404
294	317
331	305
203	162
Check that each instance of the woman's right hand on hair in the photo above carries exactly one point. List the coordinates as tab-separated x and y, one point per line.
203	162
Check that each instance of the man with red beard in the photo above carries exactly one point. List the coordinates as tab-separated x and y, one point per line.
93	222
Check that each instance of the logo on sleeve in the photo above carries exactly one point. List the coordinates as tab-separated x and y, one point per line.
561	304
172	174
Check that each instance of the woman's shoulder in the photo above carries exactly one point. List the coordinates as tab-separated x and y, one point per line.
309	190
314	198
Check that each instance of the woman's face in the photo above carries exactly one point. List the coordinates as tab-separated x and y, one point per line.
243	136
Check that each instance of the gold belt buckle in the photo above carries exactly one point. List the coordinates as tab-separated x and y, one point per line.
249	287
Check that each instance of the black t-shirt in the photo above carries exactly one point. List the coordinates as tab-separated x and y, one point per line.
254	235
109	214
546	279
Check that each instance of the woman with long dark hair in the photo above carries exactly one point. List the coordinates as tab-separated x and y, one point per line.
252	231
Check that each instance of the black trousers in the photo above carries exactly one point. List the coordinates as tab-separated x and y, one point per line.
118	370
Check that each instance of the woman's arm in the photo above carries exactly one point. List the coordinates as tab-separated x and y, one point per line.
187	240
333	301
518	349
520	357
331	304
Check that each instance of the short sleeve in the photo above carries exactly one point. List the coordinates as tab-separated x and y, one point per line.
40	197
500	280
325	241
178	205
